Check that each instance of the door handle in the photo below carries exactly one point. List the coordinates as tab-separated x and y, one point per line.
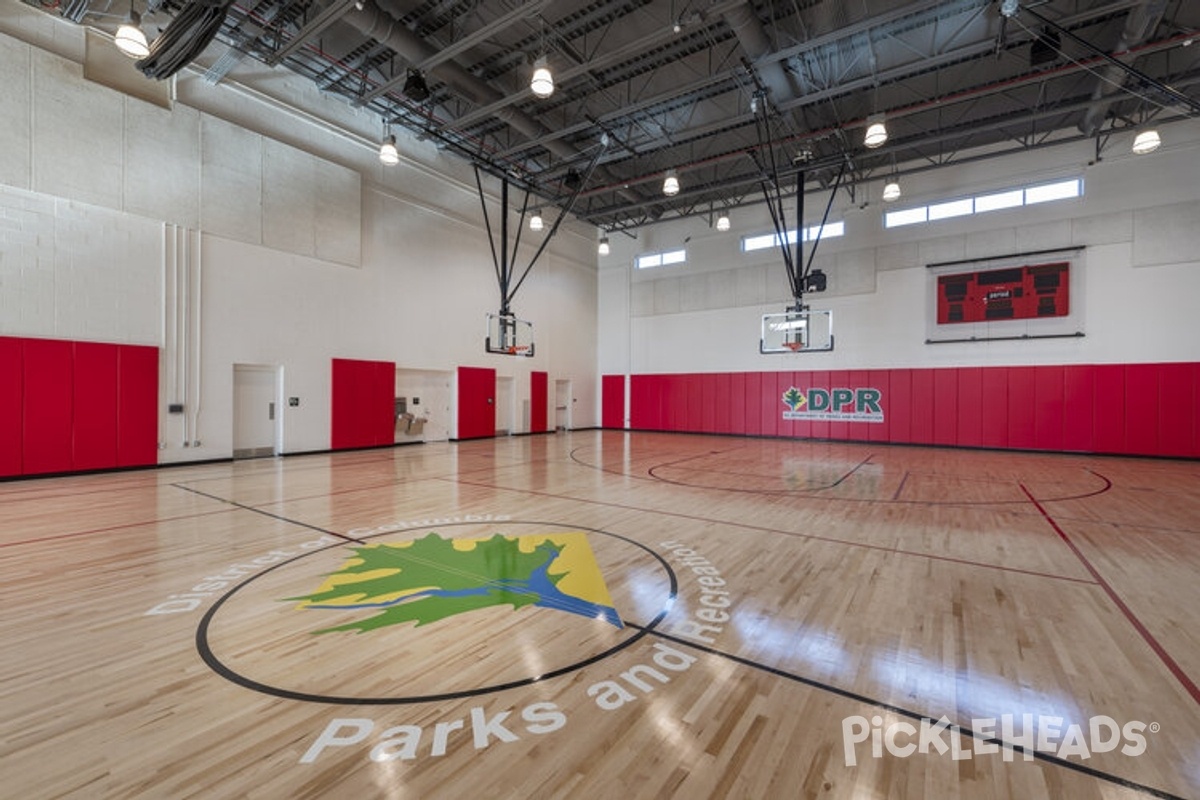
271	411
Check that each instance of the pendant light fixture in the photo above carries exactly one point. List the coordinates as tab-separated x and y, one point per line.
891	191
671	183
389	155
603	249
877	132
535	221
723	223
542	82
130	38
1146	142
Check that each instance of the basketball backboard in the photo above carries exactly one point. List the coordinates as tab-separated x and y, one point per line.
796	332
509	336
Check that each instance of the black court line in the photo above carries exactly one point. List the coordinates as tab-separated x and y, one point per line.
1142	630
245	507
111	528
777	532
861	698
807	494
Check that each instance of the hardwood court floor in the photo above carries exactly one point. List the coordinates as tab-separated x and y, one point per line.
795	618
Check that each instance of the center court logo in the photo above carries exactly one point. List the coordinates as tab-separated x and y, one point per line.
433	578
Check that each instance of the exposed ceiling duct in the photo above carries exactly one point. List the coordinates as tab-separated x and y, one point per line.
1139	26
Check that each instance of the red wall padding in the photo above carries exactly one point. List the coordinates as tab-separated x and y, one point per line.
362	403
11	389
94	433
539	402
47	405
137	405
612	401
1126	409
68	406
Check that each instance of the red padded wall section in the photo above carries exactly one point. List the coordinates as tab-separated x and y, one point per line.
1022	408
137	405
612	401
1141	408
11	389
47	405
1176	409
383	403
539	401
362	403
1079	413
1048	408
922	406
993	382
343	427
970	407
1134	409
1108	405
94	422
945	406
898	405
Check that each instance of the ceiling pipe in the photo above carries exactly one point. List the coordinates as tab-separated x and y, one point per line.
1139	26
780	84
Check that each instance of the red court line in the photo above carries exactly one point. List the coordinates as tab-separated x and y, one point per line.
1159	650
778	532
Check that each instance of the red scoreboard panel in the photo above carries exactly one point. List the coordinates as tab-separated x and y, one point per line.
1028	292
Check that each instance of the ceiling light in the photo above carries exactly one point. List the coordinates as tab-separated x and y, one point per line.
535	222
130	39
388	153
1146	142
876	132
415	88
603	249
723	223
891	191
542	83
671	184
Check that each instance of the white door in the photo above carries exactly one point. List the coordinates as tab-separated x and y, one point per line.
255	412
504	406
562	405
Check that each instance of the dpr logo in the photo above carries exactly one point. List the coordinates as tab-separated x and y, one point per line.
838	404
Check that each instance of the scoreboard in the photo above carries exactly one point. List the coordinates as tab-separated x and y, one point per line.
1013	293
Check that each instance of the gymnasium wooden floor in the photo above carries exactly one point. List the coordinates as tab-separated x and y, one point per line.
796	620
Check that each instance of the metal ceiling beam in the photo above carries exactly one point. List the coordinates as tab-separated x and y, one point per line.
459	47
315	26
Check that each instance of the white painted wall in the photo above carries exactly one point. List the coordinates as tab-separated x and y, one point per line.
308	248
1139	272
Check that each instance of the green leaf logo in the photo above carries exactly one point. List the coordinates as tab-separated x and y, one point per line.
432	578
794	399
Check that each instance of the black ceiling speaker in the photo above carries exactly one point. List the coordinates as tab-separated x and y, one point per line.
415	88
572	179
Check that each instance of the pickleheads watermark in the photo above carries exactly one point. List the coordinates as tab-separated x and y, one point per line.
989	736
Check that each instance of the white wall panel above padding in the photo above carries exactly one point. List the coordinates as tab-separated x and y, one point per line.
338	233
78	128
289	200
162	163
16	102
1102	229
1166	234
231	161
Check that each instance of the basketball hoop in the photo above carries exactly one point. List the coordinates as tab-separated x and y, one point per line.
793	346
